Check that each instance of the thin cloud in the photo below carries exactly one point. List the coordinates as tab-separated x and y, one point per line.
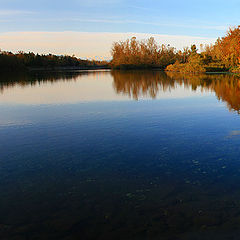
4	20
91	3
120	21
213	27
7	12
143	8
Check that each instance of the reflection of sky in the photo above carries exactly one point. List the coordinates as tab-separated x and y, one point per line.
74	162
87	88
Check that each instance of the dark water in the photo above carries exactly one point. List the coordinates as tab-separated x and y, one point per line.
121	155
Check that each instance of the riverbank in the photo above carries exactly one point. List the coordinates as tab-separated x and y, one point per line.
196	67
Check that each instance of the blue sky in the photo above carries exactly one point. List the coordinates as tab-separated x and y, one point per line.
207	19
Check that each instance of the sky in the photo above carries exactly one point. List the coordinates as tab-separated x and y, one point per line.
88	28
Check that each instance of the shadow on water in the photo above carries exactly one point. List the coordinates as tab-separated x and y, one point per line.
165	175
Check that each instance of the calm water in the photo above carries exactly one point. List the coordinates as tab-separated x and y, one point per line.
119	155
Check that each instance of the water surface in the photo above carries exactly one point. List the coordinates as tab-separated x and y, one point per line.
119	155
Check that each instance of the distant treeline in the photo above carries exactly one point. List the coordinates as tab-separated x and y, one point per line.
23	61
224	55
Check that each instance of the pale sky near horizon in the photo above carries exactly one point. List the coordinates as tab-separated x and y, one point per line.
88	28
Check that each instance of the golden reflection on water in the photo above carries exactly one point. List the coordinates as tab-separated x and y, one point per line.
56	88
225	86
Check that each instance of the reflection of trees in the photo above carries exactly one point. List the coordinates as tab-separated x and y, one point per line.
25	79
138	84
225	86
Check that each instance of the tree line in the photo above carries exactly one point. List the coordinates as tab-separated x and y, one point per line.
20	61
141	54
224	55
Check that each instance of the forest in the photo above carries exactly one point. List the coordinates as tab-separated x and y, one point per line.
222	56
24	61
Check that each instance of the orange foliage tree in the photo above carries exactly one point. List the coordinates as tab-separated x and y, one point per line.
134	54
228	48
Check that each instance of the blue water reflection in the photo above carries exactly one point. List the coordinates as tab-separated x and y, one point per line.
121	168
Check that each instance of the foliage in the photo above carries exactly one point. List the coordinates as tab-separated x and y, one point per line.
21	60
141	54
194	63
224	55
228	48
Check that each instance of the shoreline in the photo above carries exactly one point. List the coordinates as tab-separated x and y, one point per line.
67	68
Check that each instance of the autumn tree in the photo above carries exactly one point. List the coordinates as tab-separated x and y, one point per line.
141	54
228	48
